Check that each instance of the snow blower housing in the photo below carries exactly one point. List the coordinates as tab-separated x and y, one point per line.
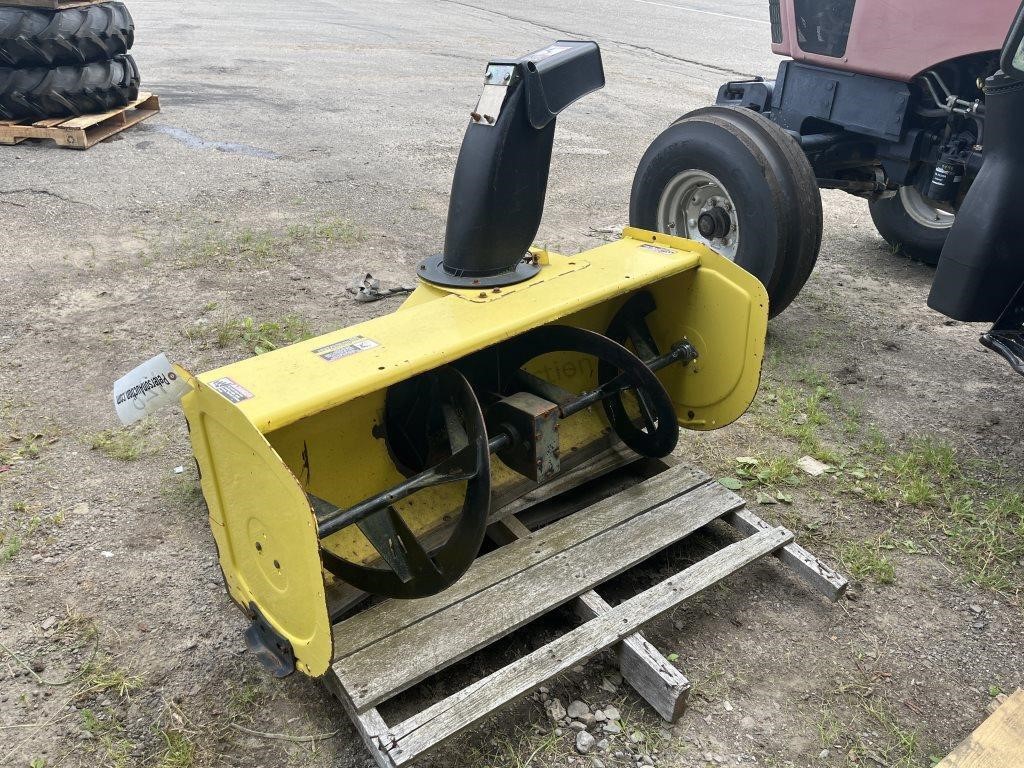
363	457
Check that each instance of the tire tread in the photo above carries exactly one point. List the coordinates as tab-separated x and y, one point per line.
40	93
30	37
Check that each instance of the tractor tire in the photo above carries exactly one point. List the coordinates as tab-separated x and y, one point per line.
912	226
68	91
30	37
731	179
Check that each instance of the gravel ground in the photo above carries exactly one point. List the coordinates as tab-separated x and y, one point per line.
302	146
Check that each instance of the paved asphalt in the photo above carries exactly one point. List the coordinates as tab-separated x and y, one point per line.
359	108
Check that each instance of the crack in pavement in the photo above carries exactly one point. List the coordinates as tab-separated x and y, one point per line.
620	43
33	191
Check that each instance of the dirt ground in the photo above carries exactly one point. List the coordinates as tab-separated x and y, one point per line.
297	152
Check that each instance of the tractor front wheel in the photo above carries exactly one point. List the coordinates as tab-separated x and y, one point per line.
912	225
734	181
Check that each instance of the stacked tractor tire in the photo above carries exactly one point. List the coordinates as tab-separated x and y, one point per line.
66	63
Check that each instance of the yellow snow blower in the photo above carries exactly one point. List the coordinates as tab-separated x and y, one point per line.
364	457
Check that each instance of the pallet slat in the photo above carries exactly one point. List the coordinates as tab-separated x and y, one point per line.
81	132
404	658
806	566
389	617
431	727
642	666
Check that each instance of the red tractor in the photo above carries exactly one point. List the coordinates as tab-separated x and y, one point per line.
916	106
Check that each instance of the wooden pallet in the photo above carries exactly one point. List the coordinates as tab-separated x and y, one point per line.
393	645
52	5
997	743
81	132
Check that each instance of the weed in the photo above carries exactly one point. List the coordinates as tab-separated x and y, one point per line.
830	727
109	735
260	248
10	546
104	675
247	698
865	560
182	491
919	491
255	336
126	444
262	337
24	446
901	746
180	750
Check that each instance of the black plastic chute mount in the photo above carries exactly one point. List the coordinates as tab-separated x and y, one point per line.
501	177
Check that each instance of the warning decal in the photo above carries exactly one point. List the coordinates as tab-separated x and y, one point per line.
231	390
345	348
658	249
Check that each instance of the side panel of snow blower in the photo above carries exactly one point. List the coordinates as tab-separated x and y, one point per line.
310	418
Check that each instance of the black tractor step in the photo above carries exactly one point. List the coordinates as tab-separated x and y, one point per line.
1009	344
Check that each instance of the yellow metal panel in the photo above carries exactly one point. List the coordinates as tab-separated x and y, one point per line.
291	383
254	499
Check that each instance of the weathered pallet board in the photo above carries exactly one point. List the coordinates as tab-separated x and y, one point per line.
996	743
431	727
642	665
804	565
543	571
81	132
386	618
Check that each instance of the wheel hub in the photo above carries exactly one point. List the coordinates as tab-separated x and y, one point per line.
714	223
696	205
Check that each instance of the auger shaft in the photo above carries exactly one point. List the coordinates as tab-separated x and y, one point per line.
331	519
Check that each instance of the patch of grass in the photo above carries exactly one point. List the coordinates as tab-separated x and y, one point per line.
261	337
109	735
866	560
262	247
710	686
257	337
968	511
900	746
986	536
247	699
10	546
180	750
24	446
127	443
640	728
105	676
858	719
799	415
830	727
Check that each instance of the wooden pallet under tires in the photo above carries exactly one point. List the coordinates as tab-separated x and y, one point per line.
52	5
81	132
393	645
